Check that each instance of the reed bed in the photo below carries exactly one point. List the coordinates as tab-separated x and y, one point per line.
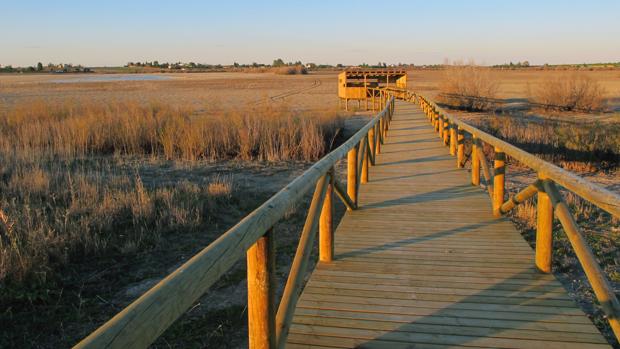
66	193
583	146
81	129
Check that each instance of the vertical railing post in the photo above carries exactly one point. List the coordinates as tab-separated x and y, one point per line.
499	178
371	144
385	119
452	139
261	292
352	174
441	125
373	100
365	161
544	230
378	137
460	147
475	161
326	223
446	132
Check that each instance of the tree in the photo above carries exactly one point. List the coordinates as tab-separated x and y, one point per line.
39	66
278	62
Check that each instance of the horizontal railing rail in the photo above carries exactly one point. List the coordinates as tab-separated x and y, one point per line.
452	132
144	320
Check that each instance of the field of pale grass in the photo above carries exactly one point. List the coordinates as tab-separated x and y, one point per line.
61	153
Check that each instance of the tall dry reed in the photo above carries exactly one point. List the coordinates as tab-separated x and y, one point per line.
129	128
64	193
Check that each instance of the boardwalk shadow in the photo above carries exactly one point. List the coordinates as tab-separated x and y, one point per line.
414	240
449	193
423	127
414	141
416	160
389	179
518	312
408	150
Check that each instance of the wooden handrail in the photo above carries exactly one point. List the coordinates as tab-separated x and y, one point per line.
140	323
292	289
597	195
602	289
344	197
486	171
520	197
549	202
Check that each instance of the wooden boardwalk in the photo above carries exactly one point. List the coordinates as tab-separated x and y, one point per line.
424	264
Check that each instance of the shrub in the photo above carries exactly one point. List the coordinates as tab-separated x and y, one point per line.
574	91
291	70
467	87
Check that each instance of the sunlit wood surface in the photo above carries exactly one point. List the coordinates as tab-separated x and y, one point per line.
424	264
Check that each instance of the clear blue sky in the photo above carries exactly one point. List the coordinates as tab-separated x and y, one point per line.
114	32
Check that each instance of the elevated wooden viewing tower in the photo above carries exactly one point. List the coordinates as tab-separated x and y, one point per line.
423	258
366	84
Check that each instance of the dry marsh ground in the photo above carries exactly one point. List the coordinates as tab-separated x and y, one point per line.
108	186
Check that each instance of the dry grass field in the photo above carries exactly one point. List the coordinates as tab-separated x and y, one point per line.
109	184
514	83
203	92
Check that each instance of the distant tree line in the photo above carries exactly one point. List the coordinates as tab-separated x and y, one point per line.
175	65
49	68
511	65
526	64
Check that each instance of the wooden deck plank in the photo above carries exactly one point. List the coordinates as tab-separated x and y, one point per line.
423	263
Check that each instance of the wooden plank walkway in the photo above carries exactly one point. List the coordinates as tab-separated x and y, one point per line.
424	264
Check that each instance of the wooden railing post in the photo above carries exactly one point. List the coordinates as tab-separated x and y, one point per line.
475	161
602	289
326	223
544	231
288	302
371	144
378	138
499	176
452	139
460	147
261	292
446	132
352	174
441	125
365	161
